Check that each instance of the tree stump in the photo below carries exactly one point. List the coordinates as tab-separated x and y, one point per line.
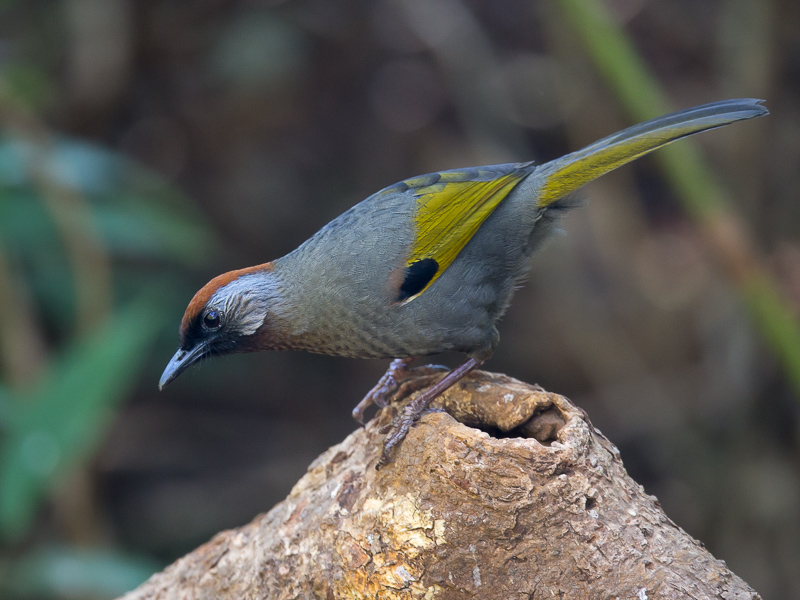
509	494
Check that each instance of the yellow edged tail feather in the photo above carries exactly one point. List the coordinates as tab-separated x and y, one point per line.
570	172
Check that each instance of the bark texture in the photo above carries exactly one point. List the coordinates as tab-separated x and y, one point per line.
510	494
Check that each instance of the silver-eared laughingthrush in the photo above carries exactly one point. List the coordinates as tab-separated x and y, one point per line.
424	266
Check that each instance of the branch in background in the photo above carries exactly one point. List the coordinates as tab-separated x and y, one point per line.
72	216
22	348
699	191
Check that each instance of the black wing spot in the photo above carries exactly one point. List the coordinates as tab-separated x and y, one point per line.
418	275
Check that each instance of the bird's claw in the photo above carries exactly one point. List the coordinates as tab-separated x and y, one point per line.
387	385
398	382
396	432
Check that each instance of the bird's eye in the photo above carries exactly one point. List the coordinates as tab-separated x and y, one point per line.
212	319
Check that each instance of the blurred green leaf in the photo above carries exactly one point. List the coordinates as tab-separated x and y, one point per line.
28	84
24	220
5	408
73	573
136	229
137	214
61	422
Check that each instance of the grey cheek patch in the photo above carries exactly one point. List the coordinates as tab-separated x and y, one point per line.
247	299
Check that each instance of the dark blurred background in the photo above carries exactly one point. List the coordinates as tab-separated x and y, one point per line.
147	146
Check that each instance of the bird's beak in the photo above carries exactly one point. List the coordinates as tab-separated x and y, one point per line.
182	360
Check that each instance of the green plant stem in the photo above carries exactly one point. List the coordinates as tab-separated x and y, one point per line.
618	61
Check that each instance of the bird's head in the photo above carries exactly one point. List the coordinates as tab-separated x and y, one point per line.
225	316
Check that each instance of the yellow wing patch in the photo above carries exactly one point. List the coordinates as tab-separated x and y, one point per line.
450	210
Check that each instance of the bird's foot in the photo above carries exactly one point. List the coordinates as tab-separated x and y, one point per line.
398	429
398	382
387	384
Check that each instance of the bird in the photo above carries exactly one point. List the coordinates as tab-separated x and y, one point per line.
424	266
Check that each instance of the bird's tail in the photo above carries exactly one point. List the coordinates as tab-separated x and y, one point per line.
568	173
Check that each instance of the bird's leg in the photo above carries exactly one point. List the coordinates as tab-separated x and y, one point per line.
397	381
399	427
